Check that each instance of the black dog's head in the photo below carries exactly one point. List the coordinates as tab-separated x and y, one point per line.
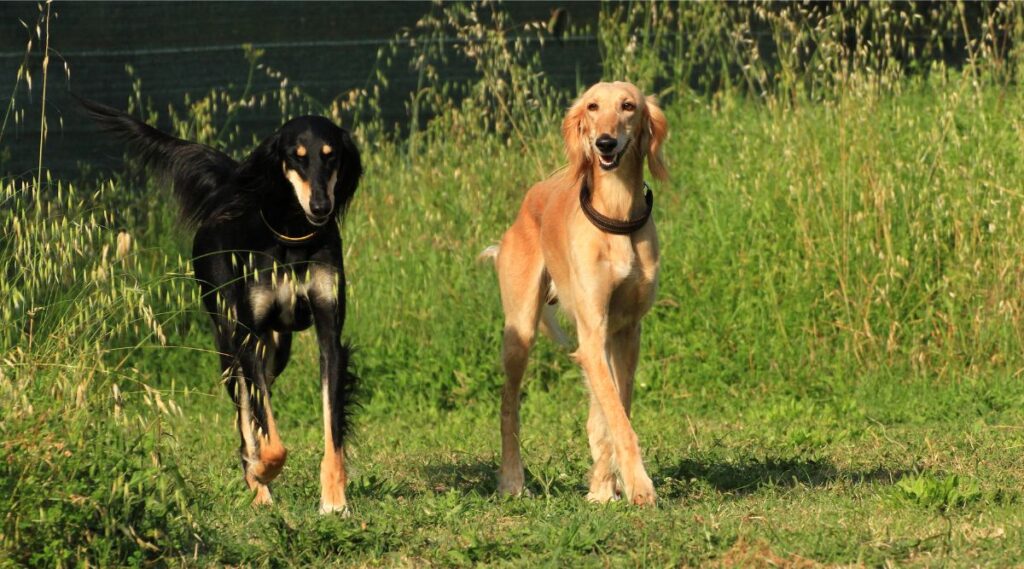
318	161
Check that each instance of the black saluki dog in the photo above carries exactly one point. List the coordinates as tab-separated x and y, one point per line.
267	255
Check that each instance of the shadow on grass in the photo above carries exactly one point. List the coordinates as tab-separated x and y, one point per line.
480	477
745	477
740	477
466	477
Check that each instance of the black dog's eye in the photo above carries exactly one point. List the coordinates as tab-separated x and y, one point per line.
592	107
628	106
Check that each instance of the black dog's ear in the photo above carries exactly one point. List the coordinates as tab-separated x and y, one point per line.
268	152
349	171
261	171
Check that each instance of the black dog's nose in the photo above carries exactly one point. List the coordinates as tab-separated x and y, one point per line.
606	143
320	209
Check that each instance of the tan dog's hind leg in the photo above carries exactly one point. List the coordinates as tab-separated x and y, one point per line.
520	274
625	353
626	449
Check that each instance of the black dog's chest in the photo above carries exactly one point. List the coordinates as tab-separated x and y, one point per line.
283	305
281	294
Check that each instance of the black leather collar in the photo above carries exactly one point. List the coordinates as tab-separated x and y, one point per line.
609	225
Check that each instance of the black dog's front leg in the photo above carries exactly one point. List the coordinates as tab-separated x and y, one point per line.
259	429
243	363
337	385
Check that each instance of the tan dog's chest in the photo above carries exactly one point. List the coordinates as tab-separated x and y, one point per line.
633	265
627	265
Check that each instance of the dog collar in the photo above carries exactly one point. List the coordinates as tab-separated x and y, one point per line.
286	239
609	225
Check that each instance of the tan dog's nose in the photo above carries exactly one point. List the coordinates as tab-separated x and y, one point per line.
605	143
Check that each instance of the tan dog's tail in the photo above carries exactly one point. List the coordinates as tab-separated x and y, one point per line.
548	317
489	254
549	326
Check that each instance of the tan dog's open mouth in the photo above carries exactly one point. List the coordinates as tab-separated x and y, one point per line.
611	161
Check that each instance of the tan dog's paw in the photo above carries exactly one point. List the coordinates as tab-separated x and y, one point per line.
510	483
602	496
342	510
602	490
641	491
645	498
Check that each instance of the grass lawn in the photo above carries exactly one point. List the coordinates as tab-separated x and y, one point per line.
875	471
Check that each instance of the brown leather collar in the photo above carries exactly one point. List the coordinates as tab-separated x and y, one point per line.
609	225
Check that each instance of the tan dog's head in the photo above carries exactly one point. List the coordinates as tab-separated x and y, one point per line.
612	123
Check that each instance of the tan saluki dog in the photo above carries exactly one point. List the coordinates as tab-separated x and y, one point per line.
584	238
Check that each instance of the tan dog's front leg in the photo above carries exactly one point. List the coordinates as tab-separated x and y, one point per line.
602	475
626	450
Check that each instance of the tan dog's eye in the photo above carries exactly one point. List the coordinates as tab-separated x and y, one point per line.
628	106
592	107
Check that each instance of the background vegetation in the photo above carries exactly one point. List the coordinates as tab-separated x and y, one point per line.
830	375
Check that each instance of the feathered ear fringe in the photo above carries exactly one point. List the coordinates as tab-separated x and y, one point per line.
351	171
266	155
655	133
576	149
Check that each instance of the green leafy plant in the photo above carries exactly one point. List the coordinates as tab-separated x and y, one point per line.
939	492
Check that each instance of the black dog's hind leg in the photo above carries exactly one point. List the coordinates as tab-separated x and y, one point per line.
279	352
337	384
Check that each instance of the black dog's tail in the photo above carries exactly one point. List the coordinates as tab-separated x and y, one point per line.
199	173
342	395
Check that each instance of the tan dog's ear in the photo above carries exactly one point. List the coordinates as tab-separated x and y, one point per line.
655	132
576	148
